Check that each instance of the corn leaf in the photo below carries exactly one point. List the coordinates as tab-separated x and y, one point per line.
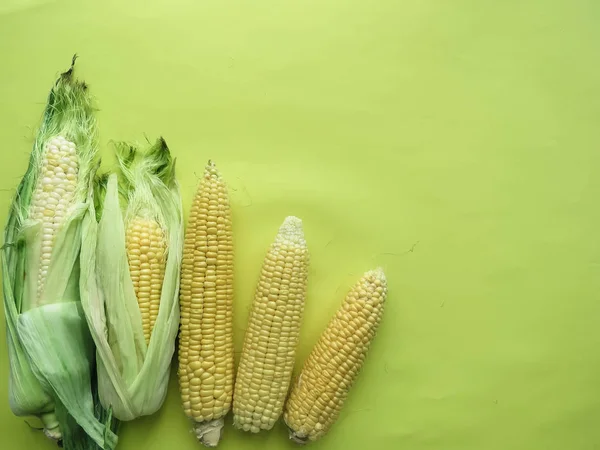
25	394
58	332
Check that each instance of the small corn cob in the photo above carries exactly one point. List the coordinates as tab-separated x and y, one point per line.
331	368
146	254
206	296
267	360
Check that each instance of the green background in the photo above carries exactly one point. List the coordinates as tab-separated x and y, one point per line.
455	143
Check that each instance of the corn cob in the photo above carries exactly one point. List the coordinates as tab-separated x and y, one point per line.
130	282
206	296
331	368
51	204
268	353
49	343
146	254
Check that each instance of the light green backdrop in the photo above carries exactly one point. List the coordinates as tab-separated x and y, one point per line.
455	143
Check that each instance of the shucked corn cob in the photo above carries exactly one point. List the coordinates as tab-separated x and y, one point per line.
131	286
206	295
268	354
331	368
49	344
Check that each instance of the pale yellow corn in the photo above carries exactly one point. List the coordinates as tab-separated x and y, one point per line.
53	197
146	254
268	353
331	368
206	299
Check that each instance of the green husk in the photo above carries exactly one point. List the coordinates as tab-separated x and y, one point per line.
132	376
50	349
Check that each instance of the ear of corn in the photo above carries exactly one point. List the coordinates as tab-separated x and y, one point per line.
51	353
206	338
131	281
271	338
331	368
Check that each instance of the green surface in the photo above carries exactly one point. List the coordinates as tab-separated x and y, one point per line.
455	143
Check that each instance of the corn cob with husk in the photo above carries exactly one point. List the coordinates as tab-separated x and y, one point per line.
320	391
50	349
268	354
206	296
131	303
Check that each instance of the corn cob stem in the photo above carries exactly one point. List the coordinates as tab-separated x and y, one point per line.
273	329
206	296
319	392
51	426
209	432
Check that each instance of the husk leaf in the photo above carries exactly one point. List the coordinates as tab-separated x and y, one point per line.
132	376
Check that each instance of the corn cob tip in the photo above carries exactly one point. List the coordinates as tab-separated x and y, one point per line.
374	283
211	170
209	432
376	276
291	232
